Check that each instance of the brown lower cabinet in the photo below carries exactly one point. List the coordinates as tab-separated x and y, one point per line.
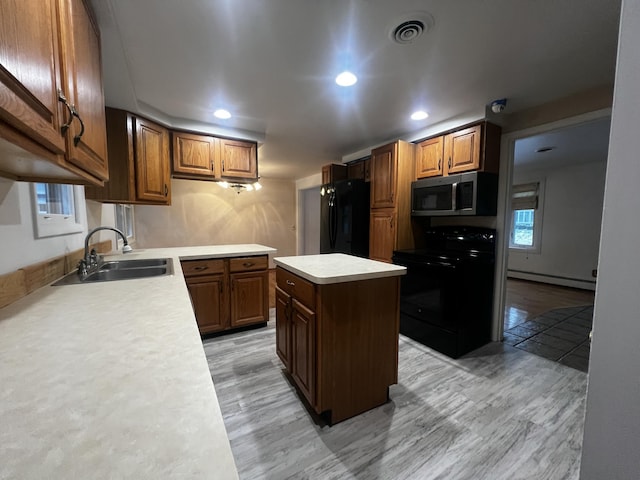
228	293
338	342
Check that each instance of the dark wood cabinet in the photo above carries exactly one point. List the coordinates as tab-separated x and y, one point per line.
429	157
339	342
303	348
390	227
205	157
474	147
228	293
194	155
383	240
238	159
206	282
52	126
333	172
249	298
359	170
283	327
139	169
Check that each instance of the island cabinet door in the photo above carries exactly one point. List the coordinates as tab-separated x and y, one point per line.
303	350
283	327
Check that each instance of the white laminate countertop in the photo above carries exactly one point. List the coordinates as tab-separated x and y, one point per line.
337	268
110	380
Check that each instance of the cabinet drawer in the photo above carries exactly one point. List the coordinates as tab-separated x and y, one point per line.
192	268
299	288
248	264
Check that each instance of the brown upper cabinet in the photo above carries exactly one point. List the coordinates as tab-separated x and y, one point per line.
204	157
52	121
139	169
333	172
476	147
359	170
194	155
239	159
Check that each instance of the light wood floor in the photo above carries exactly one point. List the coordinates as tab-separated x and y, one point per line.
499	413
526	300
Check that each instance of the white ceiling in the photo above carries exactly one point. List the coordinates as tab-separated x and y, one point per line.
583	143
272	63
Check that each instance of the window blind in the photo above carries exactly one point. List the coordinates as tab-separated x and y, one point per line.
525	196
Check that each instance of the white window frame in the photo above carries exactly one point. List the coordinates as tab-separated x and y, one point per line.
131	237
537	223
53	225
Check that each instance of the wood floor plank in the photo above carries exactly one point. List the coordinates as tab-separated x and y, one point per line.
497	413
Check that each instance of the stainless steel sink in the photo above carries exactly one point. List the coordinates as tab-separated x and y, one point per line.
121	270
128	264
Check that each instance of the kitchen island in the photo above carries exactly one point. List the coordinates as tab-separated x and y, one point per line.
337	329
110	380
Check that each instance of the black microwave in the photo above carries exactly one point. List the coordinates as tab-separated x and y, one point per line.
472	193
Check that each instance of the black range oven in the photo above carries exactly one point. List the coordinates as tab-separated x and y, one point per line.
446	298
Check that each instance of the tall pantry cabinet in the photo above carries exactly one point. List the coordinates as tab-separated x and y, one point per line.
392	171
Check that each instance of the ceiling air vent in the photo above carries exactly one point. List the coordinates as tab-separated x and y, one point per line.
406	29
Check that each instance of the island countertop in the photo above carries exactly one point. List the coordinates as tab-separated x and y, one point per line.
110	380
330	268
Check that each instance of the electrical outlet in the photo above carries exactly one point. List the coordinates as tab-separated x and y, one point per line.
594	273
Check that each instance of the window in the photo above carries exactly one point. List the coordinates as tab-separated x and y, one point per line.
526	219
124	222
58	209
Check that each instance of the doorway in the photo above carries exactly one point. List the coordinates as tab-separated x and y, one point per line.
551	236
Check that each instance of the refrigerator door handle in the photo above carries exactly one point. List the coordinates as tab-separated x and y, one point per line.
333	226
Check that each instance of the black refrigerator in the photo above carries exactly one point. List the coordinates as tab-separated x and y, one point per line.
344	218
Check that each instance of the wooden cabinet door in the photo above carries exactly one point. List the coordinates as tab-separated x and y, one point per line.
429	158
382	235
249	298
283	327
206	296
384	171
303	349
239	159
462	150
194	155
82	72
29	80
152	162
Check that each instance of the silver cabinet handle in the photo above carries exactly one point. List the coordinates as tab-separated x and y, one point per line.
200	268
248	264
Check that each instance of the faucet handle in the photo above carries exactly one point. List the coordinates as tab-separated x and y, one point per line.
82	267
93	257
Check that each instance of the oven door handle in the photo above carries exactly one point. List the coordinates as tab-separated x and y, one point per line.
427	264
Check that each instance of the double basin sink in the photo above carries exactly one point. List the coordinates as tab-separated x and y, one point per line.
121	270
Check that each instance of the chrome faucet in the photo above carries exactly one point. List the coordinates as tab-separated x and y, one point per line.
90	259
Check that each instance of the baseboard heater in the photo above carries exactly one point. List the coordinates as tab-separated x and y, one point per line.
553	279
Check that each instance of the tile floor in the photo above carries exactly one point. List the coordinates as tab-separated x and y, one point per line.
561	335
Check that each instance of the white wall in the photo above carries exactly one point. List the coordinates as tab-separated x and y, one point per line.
612	424
202	213
19	247
311	221
571	218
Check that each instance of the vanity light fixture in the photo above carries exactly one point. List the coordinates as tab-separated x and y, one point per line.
419	115
222	114
346	79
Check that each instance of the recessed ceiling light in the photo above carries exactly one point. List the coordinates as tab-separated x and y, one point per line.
222	113
419	115
346	79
